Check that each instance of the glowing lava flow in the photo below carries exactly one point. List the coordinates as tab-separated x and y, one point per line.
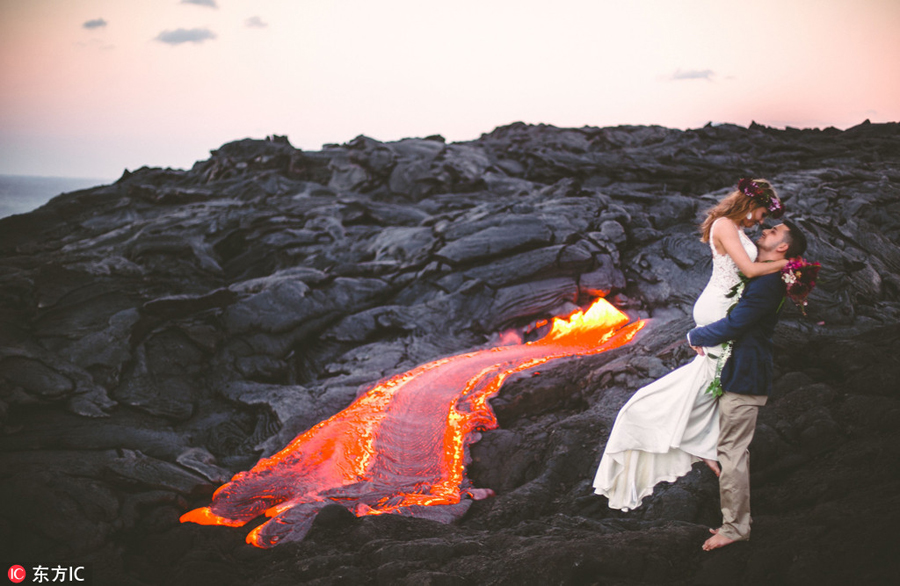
399	448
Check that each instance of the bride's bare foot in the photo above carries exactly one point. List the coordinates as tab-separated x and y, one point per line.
714	466
716	541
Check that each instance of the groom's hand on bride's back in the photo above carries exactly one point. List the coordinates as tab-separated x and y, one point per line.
698	350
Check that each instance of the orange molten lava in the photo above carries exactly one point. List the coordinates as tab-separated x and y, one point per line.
401	447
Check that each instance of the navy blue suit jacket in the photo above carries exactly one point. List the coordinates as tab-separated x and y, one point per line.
750	324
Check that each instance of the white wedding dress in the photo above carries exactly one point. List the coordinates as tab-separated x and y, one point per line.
673	422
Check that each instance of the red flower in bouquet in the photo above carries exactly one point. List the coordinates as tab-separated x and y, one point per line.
799	276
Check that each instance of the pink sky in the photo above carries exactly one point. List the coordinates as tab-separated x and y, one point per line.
91	87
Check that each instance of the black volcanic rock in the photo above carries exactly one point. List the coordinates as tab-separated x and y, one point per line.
162	333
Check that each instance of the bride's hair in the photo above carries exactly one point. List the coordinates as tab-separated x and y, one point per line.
734	207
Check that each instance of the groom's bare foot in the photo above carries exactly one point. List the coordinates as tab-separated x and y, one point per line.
716	541
714	466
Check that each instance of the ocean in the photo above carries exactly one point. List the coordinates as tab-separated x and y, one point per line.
22	193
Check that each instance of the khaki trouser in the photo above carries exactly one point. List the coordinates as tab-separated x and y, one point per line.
737	422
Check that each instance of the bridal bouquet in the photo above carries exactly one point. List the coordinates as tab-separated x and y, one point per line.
799	277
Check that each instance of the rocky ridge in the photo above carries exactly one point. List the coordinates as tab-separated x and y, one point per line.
162	333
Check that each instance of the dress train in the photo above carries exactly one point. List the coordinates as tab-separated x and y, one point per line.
660	432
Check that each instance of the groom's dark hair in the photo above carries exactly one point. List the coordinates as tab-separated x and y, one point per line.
795	240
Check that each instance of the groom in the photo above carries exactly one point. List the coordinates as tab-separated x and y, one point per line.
746	377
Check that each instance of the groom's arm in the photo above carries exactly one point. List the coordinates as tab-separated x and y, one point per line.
761	297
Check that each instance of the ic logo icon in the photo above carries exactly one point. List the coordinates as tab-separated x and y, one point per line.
16	574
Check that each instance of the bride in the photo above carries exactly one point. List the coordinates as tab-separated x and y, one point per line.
673	422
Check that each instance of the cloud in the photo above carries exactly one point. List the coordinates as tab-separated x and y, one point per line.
210	3
255	22
182	35
94	23
706	74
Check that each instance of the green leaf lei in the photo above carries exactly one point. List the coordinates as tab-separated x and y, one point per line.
715	387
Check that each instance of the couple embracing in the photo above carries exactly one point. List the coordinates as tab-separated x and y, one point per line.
706	410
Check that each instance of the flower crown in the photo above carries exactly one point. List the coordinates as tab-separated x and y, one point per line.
799	276
762	196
